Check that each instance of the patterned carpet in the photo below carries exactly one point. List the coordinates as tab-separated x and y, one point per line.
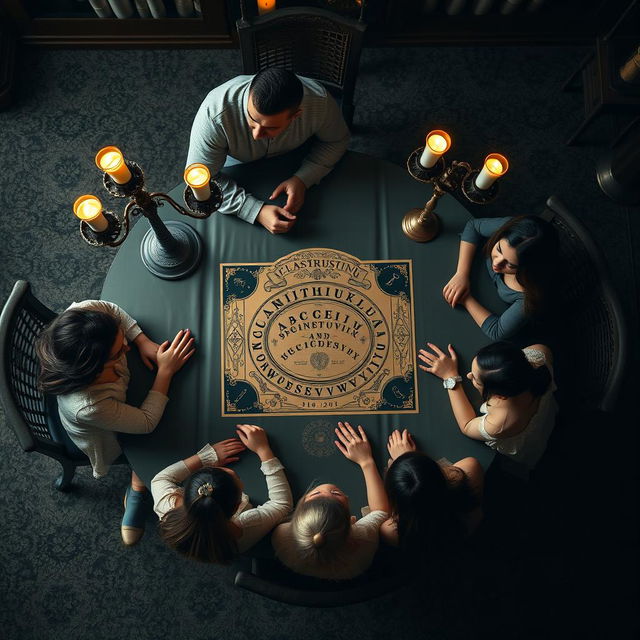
554	559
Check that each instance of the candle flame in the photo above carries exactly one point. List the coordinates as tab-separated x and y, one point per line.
197	175
110	161
494	166
87	207
437	143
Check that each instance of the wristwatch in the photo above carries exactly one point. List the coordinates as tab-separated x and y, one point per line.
450	383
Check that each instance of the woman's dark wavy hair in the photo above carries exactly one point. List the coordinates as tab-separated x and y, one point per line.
73	350
505	371
199	528
425	506
536	245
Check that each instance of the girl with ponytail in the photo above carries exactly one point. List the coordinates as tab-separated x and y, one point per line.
323	539
516	385
204	515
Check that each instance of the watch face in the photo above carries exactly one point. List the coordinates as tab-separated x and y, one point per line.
449	383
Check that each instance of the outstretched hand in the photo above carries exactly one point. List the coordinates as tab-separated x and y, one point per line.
353	445
227	450
439	363
400	443
171	357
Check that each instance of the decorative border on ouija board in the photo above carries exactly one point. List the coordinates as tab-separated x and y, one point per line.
318	332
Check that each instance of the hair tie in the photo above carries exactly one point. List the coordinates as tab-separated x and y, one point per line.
205	490
318	539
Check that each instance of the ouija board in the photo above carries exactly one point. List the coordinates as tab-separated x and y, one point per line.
318	332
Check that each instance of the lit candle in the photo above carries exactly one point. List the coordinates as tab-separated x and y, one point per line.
436	144
266	6
89	209
495	166
111	161
197	176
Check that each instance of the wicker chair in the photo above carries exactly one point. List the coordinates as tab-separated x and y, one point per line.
594	340
270	579
311	42
32	416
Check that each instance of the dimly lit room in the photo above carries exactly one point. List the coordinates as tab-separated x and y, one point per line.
319	319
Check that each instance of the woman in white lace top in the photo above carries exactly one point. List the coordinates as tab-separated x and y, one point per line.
519	410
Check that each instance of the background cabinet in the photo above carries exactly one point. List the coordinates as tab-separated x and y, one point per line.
390	22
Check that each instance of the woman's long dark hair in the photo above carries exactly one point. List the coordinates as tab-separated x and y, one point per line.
199	528
536	245
73	349
505	371
426	507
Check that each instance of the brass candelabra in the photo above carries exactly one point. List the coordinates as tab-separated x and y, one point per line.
170	250
423	225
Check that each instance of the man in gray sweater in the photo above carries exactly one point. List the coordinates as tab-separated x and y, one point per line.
254	117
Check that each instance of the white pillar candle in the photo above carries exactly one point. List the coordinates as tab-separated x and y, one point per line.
495	166
89	209
197	176
436	144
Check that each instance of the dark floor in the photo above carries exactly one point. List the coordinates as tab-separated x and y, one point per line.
555	559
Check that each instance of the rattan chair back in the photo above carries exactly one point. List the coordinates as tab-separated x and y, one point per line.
32	416
593	335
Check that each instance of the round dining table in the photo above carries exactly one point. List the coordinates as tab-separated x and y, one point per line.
357	209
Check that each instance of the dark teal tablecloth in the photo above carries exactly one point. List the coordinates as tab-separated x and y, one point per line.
358	209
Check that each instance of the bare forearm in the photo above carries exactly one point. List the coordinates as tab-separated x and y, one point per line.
162	382
465	258
476	310
462	409
376	495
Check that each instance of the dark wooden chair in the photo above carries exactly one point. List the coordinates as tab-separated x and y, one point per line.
311	42
32	416
268	578
593	342
603	90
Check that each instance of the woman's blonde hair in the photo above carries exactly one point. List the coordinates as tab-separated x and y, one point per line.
320	528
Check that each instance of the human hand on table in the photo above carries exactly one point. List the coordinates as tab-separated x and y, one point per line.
148	350
255	439
353	445
295	191
438	363
400	443
226	450
457	289
172	356
275	219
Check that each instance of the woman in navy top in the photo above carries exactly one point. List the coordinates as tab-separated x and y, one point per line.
520	259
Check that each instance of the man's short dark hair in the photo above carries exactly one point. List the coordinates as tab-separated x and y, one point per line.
276	90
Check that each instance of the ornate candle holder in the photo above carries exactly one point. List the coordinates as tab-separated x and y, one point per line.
169	250
423	225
